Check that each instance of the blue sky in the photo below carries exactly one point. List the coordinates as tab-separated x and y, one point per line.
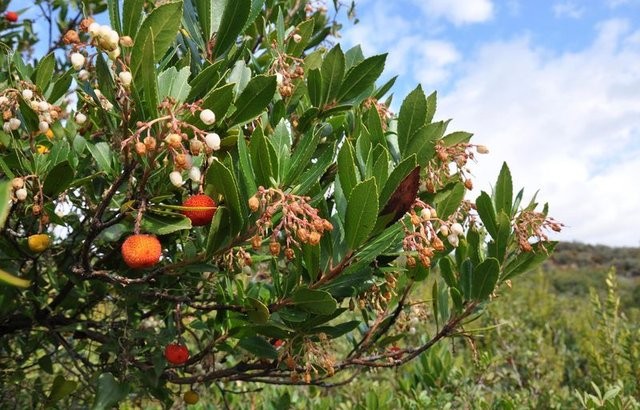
552	87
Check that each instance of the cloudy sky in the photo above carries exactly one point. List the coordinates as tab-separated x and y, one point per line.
552	87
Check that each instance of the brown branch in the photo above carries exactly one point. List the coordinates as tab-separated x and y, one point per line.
372	334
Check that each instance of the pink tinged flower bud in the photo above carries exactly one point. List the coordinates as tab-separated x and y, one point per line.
43	126
43	106
456	229
80	118
114	54
195	174
125	78
14	124
21	194
207	116
103	31
176	178
453	240
6	127
213	141
114	38
425	214
4	100
27	94
83	75
297	38
77	61
481	149
94	29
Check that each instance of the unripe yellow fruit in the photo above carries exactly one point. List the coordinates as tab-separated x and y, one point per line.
191	397
39	242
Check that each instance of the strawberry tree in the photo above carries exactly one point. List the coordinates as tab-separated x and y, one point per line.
203	192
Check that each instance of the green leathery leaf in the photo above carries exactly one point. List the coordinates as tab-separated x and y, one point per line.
412	117
313	301
60	389
131	16
487	213
58	179
221	179
258	347
159	28
254	99
485	277
109	392
361	76
347	170
161	224
466	279
362	212
219	231
234	18
449	203
332	72
503	194
264	158
44	71
259	312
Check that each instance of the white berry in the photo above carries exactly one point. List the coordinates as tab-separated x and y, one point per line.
83	75
207	116
195	174
27	94
125	78
213	141
456	229
43	126
21	194
14	124
77	61
176	178
80	118
453	240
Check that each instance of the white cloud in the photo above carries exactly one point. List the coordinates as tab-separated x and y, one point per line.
412	52
458	11
434	60
567	124
568	9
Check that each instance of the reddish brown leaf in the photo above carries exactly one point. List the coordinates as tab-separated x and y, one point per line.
403	197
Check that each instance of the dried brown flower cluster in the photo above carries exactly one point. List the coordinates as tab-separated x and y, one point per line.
420	236
377	297
287	69
438	170
313	355
530	225
383	111
299	222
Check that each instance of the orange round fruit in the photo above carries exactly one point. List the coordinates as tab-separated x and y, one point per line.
11	16
141	251
39	242
191	397
204	209
176	353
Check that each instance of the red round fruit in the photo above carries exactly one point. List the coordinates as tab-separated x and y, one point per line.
11	16
175	353
141	251
206	209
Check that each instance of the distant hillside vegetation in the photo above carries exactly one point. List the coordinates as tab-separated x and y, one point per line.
575	255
